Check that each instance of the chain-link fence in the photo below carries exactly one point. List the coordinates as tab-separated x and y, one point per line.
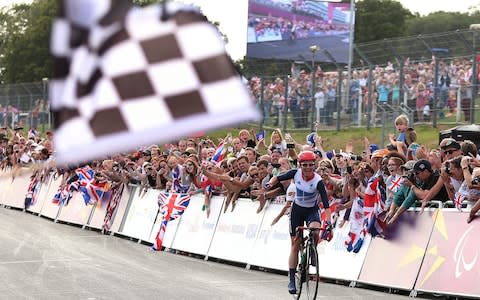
430	78
25	105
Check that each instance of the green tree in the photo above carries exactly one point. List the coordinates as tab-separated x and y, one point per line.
441	22
24	41
379	19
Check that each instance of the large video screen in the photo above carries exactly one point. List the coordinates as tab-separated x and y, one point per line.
287	29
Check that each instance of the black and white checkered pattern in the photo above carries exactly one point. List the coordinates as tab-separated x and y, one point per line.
123	78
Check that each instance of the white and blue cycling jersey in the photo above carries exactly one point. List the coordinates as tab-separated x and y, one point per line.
307	192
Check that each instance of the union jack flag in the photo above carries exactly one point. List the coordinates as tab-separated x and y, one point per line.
112	206
374	205
92	190
65	193
356	234
458	200
171	206
395	183
32	191
219	153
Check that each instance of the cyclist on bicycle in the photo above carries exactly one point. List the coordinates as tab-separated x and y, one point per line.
305	207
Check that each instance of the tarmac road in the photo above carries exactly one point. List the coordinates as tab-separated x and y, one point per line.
43	260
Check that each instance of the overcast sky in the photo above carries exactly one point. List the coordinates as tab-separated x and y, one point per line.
232	15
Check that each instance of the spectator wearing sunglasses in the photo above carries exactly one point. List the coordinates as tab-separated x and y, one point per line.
450	149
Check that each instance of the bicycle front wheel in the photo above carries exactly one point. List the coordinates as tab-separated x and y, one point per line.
312	277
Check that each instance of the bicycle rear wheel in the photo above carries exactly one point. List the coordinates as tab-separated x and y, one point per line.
312	277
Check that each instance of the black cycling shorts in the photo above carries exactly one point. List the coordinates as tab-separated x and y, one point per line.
300	215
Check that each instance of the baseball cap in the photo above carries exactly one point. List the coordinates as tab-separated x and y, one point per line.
373	148
409	164
422	165
380	153
311	137
449	143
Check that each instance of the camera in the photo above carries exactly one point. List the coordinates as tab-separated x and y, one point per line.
290	146
410	176
447	168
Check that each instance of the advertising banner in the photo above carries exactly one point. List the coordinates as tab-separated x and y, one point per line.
75	212
195	231
141	214
287	29
50	209
36	207
100	210
272	246
452	261
16	190
236	232
5	183
334	259
395	261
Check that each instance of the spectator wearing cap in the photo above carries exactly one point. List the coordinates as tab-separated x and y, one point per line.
425	180
376	162
450	148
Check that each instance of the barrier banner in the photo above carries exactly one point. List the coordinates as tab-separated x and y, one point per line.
195	231
100	210
141	214
120	212
236	232
452	261
75	212
36	207
272	246
5	182
334	259
395	262
16	190
50	209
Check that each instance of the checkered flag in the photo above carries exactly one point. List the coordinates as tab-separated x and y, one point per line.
124	78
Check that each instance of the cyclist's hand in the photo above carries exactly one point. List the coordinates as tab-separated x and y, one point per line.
327	233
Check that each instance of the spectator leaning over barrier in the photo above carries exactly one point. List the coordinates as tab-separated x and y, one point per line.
450	149
452	178
403	197
309	191
394	180
421	183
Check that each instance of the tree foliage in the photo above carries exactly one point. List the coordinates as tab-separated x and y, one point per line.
441	22
24	41
379	19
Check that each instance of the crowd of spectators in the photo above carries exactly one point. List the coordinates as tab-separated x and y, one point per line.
295	96
269	28
241	165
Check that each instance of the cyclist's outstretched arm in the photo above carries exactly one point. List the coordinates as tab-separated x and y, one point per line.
324	198
282	177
